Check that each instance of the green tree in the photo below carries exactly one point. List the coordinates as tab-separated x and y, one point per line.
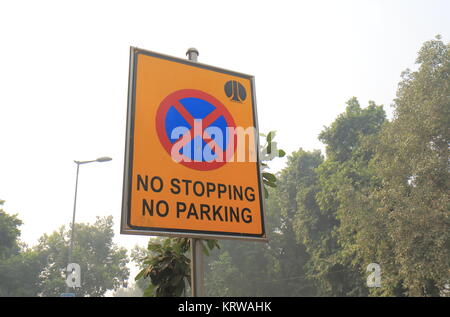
222	277
19	266
324	195
166	266
102	262
138	256
293	254
9	233
276	268
386	184
412	163
20	274
346	133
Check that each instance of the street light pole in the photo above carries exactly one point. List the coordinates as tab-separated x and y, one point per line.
100	159
73	216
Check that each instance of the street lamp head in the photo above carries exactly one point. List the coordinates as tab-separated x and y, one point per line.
103	159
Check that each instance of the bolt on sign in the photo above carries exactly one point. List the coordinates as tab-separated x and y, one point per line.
191	153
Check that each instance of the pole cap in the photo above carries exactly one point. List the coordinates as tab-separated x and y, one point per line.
192	54
192	50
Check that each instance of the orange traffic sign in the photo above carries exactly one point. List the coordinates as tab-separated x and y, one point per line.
191	154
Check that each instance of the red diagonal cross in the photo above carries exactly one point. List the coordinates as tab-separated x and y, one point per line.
206	122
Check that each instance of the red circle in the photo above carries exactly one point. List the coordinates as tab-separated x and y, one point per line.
164	107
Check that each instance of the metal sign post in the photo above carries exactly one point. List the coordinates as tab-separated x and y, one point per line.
197	263
197	268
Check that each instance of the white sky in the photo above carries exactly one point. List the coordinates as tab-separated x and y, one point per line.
64	74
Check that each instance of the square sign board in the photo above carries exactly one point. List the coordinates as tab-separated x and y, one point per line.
191	155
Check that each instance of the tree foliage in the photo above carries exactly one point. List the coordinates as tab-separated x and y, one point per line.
19	266
166	266
276	268
412	164
9	233
381	195
40	270
102	262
